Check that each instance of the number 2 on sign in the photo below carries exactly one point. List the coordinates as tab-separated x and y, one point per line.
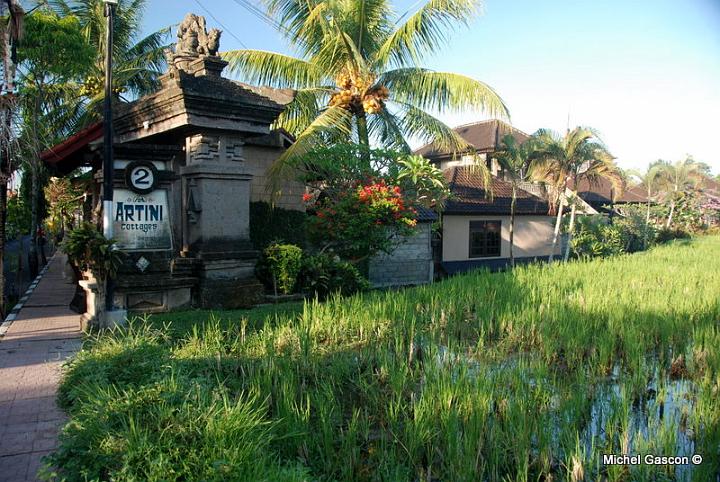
142	177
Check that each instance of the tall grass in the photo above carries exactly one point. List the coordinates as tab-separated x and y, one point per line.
525	375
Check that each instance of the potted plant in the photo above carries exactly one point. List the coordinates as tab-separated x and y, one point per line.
93	259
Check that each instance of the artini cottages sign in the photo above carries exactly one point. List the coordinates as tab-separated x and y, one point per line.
142	221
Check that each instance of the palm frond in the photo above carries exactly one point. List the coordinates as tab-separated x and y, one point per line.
386	128
275	70
354	58
304	108
332	121
442	92
416	123
367	23
425	32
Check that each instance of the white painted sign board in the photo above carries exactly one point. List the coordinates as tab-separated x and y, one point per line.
141	221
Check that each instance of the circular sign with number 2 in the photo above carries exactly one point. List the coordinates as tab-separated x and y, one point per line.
141	176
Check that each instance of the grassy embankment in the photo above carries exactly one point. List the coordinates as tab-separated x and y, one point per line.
528	375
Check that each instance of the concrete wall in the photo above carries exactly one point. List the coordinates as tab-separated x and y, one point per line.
533	236
409	264
258	160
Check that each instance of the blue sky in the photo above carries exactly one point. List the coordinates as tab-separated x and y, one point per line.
645	73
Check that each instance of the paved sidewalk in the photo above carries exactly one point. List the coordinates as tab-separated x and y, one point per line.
43	335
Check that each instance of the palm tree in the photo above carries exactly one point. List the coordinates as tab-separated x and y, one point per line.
517	163
137	62
649	180
357	76
578	156
51	58
675	179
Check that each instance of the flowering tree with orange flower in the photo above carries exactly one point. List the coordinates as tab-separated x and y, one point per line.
362	220
358	208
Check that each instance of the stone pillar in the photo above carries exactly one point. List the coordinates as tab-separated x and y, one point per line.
217	204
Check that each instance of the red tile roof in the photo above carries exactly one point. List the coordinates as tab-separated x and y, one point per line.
710	184
57	155
485	136
469	195
601	193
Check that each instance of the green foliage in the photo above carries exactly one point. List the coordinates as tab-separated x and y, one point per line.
18	217
596	237
26	188
639	233
422	182
362	199
53	46
322	275
516	370
63	200
282	263
339	165
52	56
88	250
361	221
688	213
665	235
138	61
272	224
201	434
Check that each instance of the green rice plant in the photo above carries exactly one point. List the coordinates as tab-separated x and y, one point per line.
525	375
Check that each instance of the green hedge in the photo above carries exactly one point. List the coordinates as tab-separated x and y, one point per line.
269	225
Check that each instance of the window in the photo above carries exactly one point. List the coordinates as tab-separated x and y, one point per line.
484	239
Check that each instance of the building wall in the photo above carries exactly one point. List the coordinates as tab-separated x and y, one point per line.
533	236
258	160
409	264
467	160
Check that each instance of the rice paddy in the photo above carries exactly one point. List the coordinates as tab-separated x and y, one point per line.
535	374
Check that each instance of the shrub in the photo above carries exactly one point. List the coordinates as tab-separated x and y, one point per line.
360	201
665	235
279	267
596	238
270	225
639	234
362	220
323	275
88	250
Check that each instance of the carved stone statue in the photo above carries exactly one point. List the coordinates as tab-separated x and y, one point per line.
194	39
212	44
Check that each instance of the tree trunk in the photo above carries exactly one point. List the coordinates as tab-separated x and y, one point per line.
3	218
571	228
647	224
670	216
512	225
558	221
21	255
364	137
33	259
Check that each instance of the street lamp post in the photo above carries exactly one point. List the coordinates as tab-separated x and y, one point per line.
108	164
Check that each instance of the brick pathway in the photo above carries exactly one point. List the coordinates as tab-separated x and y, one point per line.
32	352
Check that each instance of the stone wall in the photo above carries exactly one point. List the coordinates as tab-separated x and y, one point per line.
258	160
409	264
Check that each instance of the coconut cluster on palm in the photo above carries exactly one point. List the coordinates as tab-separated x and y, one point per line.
358	75
358	93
